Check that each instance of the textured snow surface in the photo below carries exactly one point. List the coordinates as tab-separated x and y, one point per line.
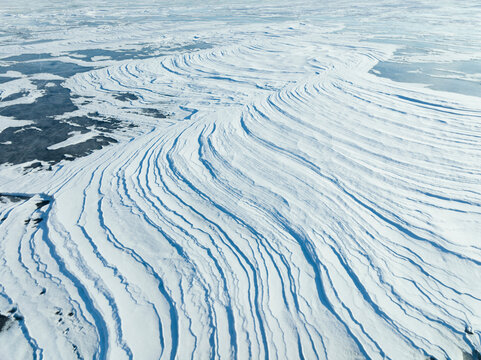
292	205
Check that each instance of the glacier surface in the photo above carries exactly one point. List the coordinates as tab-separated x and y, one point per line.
297	180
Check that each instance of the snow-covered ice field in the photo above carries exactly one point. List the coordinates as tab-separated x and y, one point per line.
240	180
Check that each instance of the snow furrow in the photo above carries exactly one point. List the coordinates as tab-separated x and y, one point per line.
293	204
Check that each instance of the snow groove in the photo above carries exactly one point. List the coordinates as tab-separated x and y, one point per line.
293	206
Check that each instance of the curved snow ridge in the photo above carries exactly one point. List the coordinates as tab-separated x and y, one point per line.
300	207
233	74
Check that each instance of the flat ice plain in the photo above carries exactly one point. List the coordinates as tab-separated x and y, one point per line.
240	180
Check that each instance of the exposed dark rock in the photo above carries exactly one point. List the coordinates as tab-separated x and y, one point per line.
42	203
3	321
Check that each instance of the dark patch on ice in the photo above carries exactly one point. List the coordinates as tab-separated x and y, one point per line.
55	67
42	203
475	355
88	54
154	112
43	291
4	79
15	96
142	53
13	197
56	101
30	142
126	96
3	321
117	55
28	57
34	145
200	45
39	41
34	165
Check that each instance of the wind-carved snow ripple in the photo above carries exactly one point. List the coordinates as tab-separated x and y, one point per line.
297	207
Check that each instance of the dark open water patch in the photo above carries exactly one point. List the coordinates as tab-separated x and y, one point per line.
4	79
15	96
156	113
126	96
55	67
4	197
3	321
31	142
56	101
142	53
28	57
